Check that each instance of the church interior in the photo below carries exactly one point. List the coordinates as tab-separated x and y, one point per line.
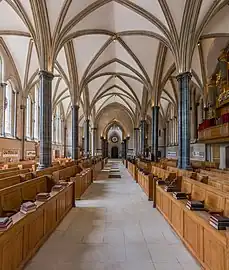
114	134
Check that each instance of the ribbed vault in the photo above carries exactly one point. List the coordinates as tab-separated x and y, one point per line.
108	52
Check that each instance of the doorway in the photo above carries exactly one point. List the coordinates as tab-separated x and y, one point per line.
114	152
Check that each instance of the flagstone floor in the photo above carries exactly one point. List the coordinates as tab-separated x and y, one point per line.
113	227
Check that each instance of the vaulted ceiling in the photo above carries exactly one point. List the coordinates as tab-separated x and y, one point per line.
106	52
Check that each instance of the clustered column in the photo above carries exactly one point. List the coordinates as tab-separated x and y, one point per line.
136	141
86	138
45	119
143	128
65	140
23	108
2	108
155	118
75	131
94	139
184	120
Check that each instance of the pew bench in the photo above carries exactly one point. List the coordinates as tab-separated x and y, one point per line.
13	173
207	244
66	173
81	182
13	180
12	197
28	233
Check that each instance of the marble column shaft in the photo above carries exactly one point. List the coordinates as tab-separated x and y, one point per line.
94	147
136	140
165	140
45	119
23	110
155	115
125	150
86	137
143	129
2	108
184	120
75	131
65	141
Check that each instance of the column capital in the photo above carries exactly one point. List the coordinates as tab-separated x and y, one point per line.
3	84
93	128
183	75
137	129
46	74
22	107
75	106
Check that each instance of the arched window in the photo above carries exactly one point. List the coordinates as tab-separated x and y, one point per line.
36	113
28	117
10	110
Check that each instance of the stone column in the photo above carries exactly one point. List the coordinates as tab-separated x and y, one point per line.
45	119
82	142
155	115
127	145
184	120
65	141
75	132
193	116
143	128
23	122
165	141
124	148
2	108
102	146
136	140
94	130
86	138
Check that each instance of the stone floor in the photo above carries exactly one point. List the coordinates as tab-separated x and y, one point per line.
114	227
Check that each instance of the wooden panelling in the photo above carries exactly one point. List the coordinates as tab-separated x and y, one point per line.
214	252
177	217
20	242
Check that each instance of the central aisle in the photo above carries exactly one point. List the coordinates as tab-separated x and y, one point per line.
114	227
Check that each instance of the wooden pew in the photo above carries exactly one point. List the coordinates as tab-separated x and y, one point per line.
21	241
12	197
81	182
48	171
13	173
66	173
207	244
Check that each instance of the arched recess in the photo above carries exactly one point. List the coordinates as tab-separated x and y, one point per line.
117	123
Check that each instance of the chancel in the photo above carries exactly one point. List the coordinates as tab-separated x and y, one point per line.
114	134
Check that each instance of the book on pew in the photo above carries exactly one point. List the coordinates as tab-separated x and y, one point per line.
219	222
5	223
160	182
179	195
195	205
219	218
219	226
42	197
57	188
28	207
171	188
